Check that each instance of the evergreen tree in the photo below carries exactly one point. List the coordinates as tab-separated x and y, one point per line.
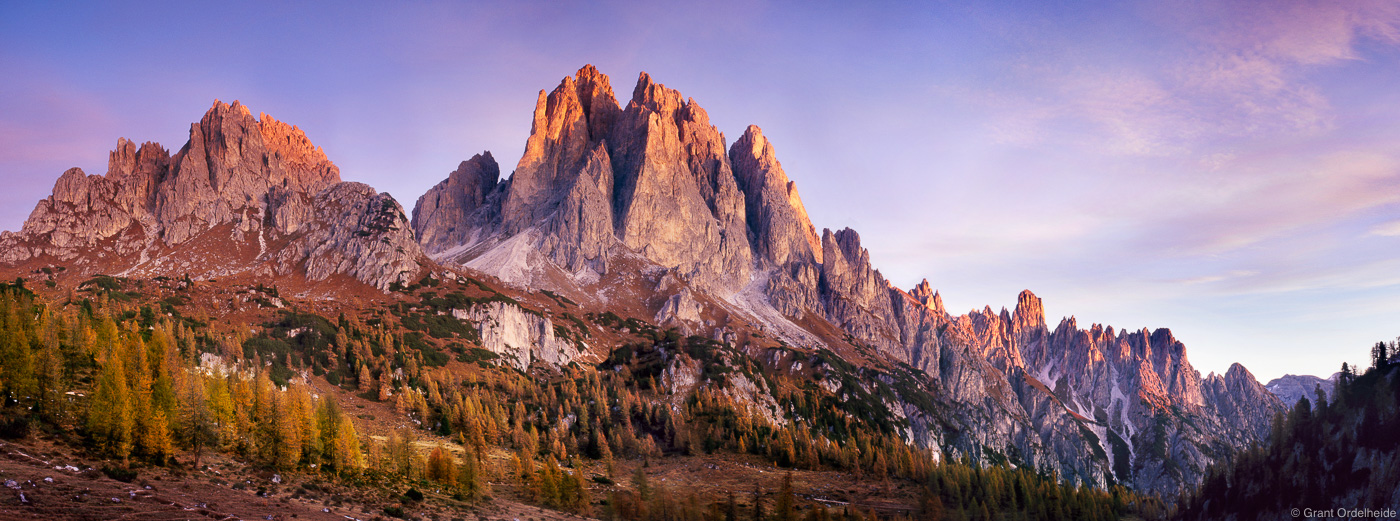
49	381
548	479
287	432
159	442
311	438
16	373
473	479
580	502
110	422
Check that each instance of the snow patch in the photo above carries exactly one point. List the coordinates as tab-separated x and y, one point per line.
1120	401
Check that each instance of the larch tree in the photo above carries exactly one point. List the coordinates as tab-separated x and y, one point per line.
110	421
347	456
441	467
198	429
287	433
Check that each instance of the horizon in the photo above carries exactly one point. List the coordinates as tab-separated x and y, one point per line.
1227	173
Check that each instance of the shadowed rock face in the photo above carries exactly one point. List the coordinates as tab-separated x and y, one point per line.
259	178
653	178
444	215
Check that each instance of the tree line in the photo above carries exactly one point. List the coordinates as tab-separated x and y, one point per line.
1340	450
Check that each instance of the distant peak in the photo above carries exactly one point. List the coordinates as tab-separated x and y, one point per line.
924	293
1029	311
923	288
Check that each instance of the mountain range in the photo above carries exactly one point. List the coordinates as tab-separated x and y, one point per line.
645	210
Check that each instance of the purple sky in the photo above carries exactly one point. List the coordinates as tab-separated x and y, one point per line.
1227	170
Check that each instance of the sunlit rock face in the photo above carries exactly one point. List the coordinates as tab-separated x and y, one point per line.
250	181
596	178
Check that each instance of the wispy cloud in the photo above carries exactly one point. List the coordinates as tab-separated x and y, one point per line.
1227	69
1208	279
1389	229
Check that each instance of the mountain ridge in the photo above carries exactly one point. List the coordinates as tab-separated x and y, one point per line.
647	207
1116	381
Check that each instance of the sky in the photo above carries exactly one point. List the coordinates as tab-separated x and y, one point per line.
1226	169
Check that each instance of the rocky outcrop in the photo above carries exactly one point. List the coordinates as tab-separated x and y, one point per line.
518	336
579	234
680	311
355	231
252	181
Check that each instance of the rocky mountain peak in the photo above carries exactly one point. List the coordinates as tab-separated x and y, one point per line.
654	96
658	180
229	165
777	219
442	217
254	179
676	199
559	138
1029	312
925	294
595	95
1290	388
653	178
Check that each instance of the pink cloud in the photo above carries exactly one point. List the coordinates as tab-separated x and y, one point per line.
1241	69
